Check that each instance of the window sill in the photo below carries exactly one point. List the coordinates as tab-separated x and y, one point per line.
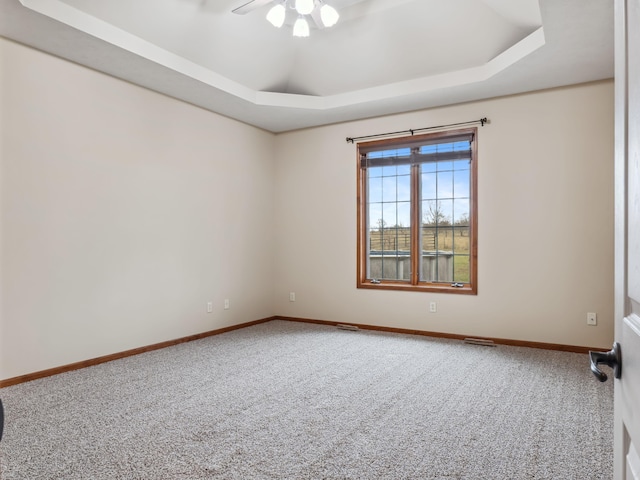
466	289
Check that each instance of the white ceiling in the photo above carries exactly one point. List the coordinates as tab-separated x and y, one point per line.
383	56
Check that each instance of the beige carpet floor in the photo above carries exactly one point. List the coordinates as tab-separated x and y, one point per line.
285	400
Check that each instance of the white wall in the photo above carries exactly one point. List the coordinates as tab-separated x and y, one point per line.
545	222
122	213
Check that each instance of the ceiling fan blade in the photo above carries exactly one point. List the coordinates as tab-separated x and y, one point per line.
315	15
250	6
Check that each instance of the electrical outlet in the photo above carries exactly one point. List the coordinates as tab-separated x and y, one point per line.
292	296
226	304
592	318
433	307
209	307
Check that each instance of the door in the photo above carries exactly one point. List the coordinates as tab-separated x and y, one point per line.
627	243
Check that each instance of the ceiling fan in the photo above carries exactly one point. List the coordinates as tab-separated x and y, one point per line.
250	6
320	13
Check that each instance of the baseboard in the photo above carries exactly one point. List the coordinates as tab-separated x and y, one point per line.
127	353
136	351
453	336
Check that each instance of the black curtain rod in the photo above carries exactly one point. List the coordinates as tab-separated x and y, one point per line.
482	121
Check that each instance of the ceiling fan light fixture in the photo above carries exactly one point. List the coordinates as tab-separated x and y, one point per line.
317	12
277	15
304	7
329	15
301	28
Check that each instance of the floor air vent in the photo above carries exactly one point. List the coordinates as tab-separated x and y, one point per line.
342	326
480	341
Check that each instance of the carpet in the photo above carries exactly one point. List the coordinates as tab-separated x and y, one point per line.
285	400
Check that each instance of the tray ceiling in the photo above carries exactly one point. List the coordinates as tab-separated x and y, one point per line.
383	56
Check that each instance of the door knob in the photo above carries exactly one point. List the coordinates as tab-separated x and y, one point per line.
611	358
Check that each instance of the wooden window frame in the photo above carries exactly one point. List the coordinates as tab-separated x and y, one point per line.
470	288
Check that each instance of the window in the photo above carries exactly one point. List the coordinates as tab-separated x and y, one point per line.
417	213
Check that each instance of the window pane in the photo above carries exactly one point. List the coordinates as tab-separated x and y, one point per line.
375	239
461	240
404	214
388	189
461	165
428	239
428	213
462	146
445	184
445	166
461	269
374	192
375	216
404	239
437	267
461	211
389	171
404	169
461	183
429	167
445	239
389	240
391	261
429	186
445	212
390	267
389	214
445	267
404	188
437	212
374	172
395	152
